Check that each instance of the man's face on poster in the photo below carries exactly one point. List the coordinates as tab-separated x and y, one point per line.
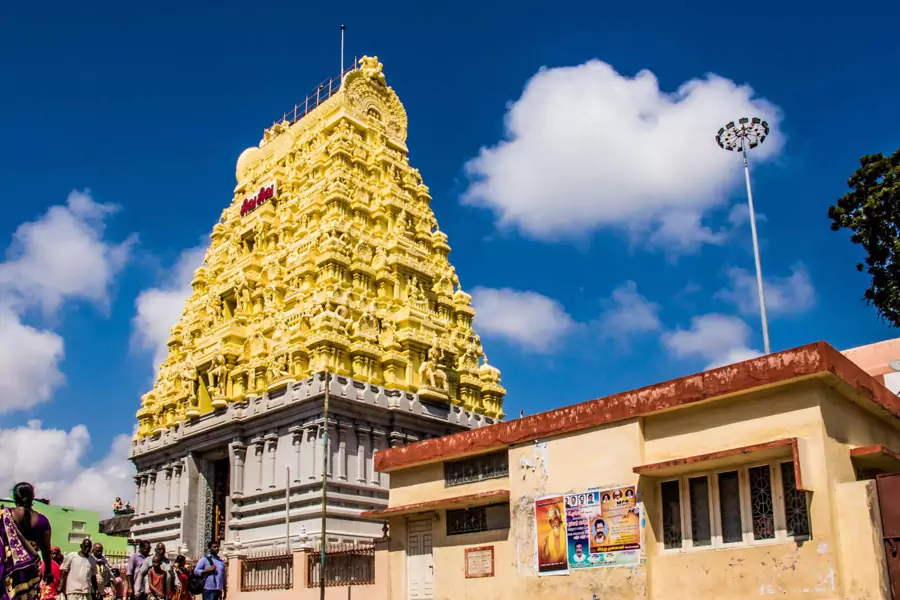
578	549
555	519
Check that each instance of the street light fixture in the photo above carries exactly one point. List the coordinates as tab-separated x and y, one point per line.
745	135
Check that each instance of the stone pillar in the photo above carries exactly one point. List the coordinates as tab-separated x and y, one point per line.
378	443
344	430
179	467
238	452
138	495
152	493
320	451
145	495
272	444
332	447
363	445
259	445
296	442
168	487
311	436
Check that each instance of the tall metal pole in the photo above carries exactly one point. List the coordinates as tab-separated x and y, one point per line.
745	135
759	277
287	508
342	54
324	489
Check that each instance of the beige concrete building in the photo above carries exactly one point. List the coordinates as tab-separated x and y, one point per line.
758	479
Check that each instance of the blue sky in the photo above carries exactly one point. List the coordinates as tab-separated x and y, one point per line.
148	107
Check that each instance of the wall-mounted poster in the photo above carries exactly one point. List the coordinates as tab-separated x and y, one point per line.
551	541
604	527
581	510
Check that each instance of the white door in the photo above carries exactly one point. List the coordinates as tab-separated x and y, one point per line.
420	561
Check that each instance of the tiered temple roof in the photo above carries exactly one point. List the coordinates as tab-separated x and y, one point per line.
328	258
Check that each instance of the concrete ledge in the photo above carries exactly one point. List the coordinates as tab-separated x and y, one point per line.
783	448
445	503
876	457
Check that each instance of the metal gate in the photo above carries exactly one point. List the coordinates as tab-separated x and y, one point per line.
889	499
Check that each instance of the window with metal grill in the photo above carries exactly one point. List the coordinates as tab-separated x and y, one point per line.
476	468
478	518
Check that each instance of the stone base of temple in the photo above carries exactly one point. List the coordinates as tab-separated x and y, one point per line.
226	474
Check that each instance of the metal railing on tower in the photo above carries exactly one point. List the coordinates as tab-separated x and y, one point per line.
320	94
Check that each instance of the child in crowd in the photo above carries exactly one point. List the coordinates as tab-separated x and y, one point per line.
117	586
157	581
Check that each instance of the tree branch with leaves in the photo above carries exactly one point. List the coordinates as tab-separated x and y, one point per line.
871	211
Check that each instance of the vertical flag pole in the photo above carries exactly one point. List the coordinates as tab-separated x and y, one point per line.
287	508
342	54
324	490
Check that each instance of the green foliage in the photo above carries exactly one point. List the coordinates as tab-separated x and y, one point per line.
871	211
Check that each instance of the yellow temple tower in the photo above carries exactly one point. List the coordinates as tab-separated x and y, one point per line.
328	259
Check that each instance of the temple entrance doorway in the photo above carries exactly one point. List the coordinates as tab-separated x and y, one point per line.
220	493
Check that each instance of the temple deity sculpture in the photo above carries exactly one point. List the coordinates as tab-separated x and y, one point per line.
430	371
278	367
217	373
189	376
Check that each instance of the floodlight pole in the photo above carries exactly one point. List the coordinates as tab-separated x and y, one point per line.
744	135
759	279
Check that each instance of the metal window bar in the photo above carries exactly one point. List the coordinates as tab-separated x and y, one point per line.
320	94
345	565
477	468
265	573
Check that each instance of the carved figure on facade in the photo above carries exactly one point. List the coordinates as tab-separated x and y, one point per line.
218	371
278	367
430	371
417	296
366	327
189	376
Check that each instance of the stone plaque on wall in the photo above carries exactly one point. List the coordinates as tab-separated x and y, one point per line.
480	562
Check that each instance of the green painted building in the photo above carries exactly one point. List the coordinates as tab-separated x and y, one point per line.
71	525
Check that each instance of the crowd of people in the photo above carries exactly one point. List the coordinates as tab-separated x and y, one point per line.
32	569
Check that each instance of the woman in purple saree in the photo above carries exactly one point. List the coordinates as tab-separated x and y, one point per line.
24	545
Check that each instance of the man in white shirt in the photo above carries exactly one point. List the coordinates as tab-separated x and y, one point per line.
579	555
78	574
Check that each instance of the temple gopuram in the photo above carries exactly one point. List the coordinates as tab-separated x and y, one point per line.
328	260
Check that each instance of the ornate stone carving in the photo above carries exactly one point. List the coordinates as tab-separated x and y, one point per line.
343	269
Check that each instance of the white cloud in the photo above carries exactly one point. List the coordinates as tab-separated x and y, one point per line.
63	256
586	147
59	257
157	310
718	339
739	215
527	319
54	461
627	312
784	295
29	363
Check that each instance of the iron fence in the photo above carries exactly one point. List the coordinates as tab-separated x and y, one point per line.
345	564
265	573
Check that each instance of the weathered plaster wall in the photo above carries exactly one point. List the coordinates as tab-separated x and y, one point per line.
426	483
861	550
745	420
